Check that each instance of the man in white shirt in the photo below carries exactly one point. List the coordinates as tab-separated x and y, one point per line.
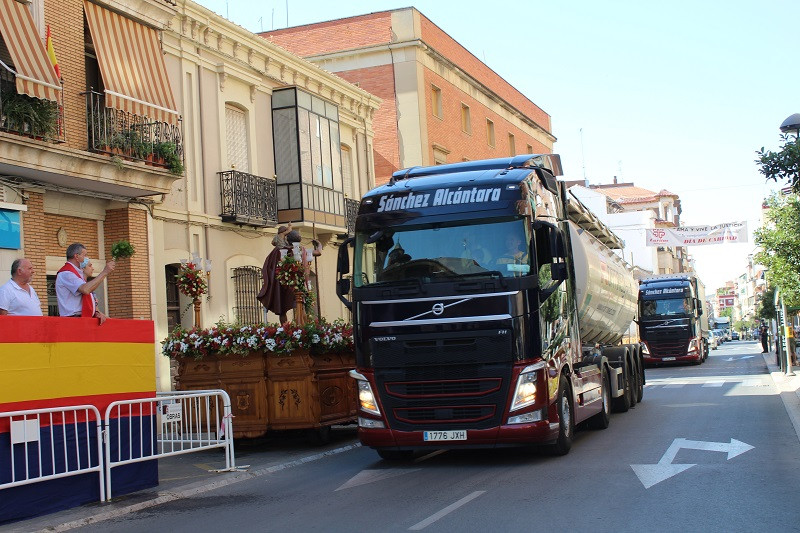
71	287
17	296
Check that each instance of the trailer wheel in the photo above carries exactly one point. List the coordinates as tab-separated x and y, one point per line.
640	381
623	403
395	455
601	419
566	422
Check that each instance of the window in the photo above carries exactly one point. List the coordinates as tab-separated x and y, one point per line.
246	284
173	297
530	149
512	145
466	120
347	172
490	133
436	101
236	137
440	154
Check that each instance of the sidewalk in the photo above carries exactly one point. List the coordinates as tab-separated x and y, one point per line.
186	475
789	387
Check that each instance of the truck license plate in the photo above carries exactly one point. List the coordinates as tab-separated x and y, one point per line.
667	358
458	434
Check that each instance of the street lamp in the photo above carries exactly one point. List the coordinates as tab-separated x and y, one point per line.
792	124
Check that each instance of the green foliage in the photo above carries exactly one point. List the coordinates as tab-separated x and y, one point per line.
779	240
783	164
728	312
172	159
121	250
766	307
28	115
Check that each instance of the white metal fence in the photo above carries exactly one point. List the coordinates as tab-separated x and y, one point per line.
65	441
46	444
172	423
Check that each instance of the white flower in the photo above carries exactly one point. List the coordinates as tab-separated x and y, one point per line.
270	344
297	334
315	338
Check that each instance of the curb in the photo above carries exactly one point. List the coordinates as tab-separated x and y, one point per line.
192	490
789	390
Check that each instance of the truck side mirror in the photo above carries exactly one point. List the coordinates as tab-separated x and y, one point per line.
342	268
699	306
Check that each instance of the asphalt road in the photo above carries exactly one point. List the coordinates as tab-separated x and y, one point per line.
710	448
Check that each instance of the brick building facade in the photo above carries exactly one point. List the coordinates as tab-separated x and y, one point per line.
441	104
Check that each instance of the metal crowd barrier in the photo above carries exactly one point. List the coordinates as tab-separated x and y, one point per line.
53	443
172	423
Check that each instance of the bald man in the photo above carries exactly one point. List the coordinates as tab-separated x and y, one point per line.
17	296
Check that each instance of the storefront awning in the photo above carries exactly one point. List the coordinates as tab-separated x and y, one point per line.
34	73
132	65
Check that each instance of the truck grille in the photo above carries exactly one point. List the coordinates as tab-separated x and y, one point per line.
429	398
669	348
443	389
427	415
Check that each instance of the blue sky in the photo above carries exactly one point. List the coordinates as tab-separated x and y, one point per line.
670	95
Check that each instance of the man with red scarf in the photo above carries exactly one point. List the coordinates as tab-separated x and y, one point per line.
73	292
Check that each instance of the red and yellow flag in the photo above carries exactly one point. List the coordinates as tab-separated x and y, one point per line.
51	53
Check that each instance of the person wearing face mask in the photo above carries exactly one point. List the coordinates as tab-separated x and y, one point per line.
89	305
73	292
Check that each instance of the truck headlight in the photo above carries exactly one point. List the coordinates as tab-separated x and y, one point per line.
645	349
366	398
525	392
693	345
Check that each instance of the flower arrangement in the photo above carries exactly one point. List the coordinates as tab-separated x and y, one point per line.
319	336
121	250
191	280
290	273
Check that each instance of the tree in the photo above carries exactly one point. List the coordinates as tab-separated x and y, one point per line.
728	312
766	306
779	240
783	164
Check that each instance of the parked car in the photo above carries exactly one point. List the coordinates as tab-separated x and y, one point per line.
720	337
712	340
734	335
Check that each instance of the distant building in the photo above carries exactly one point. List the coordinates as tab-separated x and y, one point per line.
441	104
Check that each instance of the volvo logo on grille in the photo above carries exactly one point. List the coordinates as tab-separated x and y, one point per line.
438	309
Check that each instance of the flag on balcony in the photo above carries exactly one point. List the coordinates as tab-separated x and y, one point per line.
51	52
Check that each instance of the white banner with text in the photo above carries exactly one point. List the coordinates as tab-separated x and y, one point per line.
698	235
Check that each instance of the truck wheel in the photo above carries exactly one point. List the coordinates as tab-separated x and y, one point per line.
623	403
395	455
640	382
319	436
634	385
601	419
566	422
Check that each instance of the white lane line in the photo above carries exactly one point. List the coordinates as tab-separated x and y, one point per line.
752	382
674	385
447	510
719	383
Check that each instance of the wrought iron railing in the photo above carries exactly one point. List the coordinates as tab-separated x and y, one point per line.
26	115
351	211
247	283
133	137
248	199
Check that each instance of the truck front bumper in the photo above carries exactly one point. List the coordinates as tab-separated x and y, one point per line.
543	432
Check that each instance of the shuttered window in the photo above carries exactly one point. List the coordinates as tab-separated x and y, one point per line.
236	135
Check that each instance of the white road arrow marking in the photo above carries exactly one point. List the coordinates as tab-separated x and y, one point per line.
649	475
371	476
747	357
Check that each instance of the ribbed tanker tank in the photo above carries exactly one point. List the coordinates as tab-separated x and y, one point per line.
606	291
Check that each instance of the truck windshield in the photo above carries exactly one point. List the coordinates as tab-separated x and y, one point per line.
666	307
442	251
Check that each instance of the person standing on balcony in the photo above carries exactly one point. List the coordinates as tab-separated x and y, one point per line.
72	289
17	296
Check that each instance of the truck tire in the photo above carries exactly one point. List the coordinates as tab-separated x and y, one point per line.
640	381
566	422
623	403
601	419
395	455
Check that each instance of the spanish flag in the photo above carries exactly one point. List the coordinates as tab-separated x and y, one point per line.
51	53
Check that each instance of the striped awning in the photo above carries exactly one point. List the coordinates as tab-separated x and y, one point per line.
34	73
131	64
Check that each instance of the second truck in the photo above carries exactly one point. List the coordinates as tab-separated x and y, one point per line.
489	309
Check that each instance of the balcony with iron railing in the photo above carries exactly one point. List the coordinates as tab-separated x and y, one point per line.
248	199
133	137
28	116
351	211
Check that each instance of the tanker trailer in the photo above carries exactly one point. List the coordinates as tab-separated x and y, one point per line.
488	310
